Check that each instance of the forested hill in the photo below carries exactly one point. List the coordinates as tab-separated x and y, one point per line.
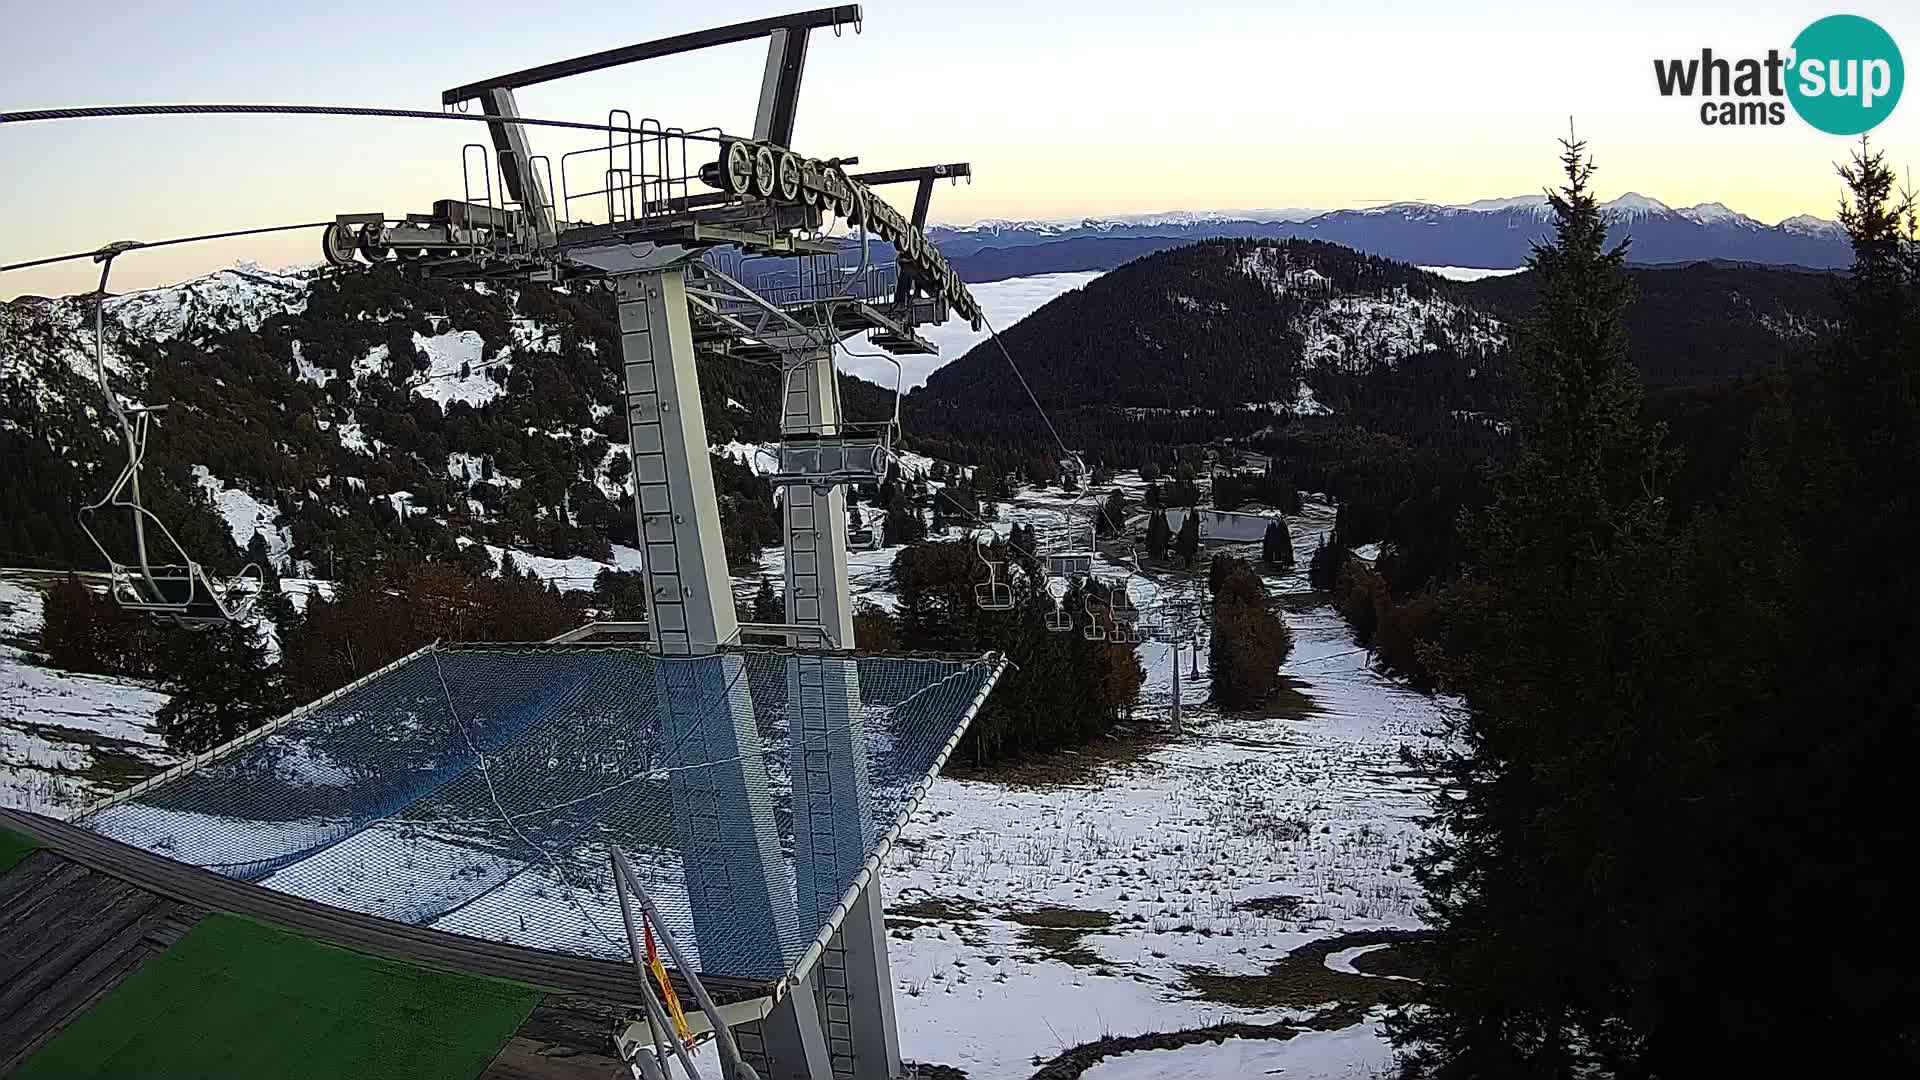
1230	338
350	419
1701	322
1224	337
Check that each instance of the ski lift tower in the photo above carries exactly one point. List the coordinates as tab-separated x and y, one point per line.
675	221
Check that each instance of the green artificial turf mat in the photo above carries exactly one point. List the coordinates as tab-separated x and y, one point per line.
13	848
241	999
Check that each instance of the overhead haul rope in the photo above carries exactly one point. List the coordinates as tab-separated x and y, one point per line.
1066	512
137	245
94	112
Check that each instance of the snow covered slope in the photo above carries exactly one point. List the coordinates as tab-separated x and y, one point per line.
1350	329
66	739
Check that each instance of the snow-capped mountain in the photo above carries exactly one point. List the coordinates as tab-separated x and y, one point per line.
1490	233
1714	213
1200	332
1808	225
1633	206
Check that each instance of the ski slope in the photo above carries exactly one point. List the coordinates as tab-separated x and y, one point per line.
66	739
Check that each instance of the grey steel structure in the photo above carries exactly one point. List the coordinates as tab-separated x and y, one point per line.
680	217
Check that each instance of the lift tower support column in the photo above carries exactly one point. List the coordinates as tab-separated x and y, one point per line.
707	710
853	982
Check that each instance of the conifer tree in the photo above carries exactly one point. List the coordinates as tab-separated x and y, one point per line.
1187	544
1159	533
1564	619
274	602
768	607
222	687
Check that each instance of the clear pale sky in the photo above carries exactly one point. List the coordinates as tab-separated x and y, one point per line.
1064	109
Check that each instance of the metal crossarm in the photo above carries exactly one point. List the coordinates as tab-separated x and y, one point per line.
838	15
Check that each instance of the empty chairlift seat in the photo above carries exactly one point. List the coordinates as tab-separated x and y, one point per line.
182	592
1073	564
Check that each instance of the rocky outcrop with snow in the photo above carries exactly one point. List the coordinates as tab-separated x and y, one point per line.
1347	330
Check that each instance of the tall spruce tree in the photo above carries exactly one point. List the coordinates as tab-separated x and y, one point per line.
768	605
1559	626
274	602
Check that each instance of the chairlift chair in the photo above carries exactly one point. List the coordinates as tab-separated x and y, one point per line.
992	594
1094	631
181	589
1070	565
857	454
1077	561
1059	620
1150	626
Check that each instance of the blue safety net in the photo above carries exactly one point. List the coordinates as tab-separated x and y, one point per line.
476	788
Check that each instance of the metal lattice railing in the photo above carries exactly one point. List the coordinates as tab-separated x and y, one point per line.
474	789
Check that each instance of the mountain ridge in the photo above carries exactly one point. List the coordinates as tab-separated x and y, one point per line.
1487	233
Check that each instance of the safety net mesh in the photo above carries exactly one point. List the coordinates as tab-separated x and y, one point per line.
476	788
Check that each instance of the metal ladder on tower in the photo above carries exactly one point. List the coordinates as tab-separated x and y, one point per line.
814	716
653	496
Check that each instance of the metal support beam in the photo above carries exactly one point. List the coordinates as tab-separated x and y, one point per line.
828	764
852	983
917	172
817	585
1175	651
800	21
780	86
689	593
869	987
738	884
517	172
794	1036
922	199
741	893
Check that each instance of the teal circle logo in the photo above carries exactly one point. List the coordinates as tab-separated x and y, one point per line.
1846	75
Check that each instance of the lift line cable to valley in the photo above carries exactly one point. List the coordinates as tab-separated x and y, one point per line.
1044	418
91	112
1087	488
142	245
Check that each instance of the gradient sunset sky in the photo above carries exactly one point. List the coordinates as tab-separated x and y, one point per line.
1064	109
